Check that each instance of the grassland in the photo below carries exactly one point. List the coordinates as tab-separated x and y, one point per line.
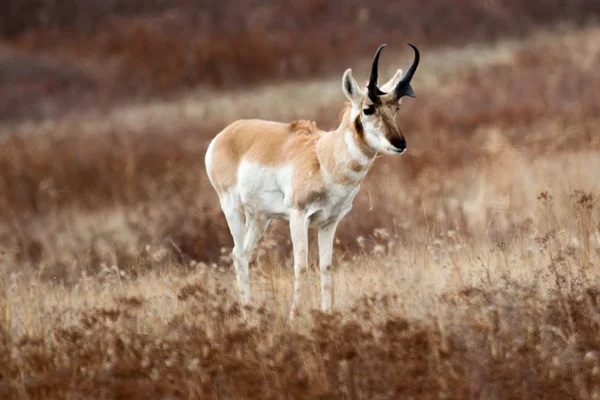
468	268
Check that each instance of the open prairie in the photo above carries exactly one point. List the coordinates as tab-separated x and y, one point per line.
467	268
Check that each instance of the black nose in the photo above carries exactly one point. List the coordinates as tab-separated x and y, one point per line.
399	143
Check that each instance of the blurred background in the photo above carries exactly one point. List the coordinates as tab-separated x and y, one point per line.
102	51
107	106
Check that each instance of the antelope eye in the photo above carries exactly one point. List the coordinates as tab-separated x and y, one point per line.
369	111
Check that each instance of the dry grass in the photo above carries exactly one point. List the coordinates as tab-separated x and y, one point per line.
433	317
467	269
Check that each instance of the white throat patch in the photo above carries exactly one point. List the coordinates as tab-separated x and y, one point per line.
355	152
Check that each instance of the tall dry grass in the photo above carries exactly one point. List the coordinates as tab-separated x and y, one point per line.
431	317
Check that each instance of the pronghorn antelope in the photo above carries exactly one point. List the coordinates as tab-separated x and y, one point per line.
293	171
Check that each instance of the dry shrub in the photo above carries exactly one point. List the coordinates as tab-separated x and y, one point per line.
165	46
502	341
43	173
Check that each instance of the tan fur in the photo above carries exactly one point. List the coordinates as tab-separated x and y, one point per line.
264	142
335	146
270	144
299	144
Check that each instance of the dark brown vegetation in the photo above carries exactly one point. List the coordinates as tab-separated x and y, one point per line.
109	49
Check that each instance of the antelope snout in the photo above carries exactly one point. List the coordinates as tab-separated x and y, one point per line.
399	144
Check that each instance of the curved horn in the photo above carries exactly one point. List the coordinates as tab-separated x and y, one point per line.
403	87
373	90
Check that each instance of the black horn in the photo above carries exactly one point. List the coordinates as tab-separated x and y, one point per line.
373	90
403	87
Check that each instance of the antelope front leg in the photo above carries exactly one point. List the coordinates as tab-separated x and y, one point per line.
326	235
299	234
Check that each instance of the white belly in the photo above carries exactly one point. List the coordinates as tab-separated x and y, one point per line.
264	188
268	190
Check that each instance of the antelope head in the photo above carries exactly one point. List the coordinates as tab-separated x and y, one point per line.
374	109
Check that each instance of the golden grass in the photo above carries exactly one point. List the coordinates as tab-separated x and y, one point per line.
434	316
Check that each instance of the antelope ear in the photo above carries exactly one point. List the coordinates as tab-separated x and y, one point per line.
351	88
391	84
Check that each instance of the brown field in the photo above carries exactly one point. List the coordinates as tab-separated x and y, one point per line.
468	268
62	56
